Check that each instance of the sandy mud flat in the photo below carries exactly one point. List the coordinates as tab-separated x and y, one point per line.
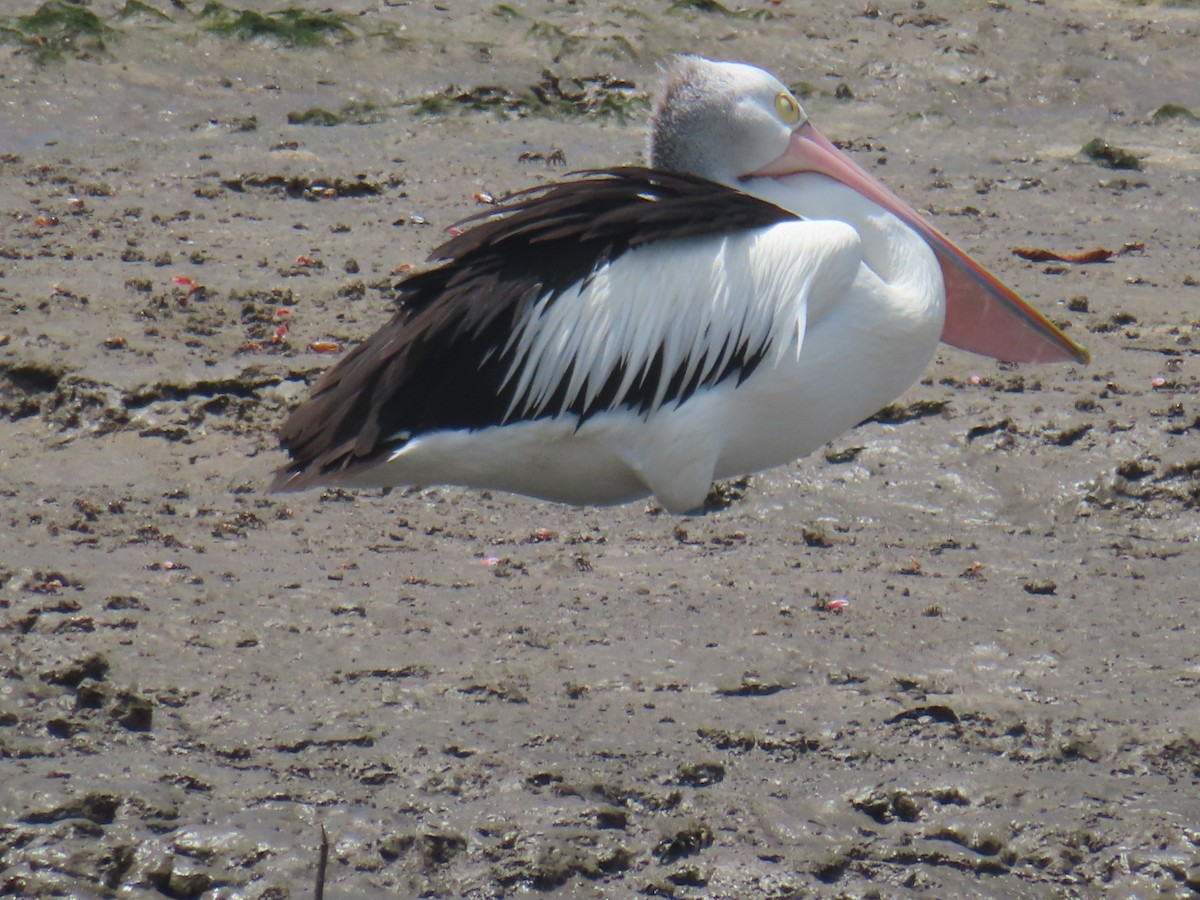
202	207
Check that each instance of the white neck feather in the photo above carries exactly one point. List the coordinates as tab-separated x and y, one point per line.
893	251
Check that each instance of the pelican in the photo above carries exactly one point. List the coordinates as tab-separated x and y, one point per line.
640	331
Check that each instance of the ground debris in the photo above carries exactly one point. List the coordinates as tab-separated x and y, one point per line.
1035	254
300	187
898	413
1100	151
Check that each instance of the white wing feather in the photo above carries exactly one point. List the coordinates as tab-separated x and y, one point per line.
697	300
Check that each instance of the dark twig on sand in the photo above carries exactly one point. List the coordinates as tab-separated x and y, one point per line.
322	862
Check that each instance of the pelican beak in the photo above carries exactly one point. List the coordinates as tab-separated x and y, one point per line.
982	315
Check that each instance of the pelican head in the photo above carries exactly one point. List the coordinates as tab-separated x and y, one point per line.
723	121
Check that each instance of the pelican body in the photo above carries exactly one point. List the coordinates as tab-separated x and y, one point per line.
634	331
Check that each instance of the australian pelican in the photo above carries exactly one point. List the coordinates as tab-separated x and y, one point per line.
743	300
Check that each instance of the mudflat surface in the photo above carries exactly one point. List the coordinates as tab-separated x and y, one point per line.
477	695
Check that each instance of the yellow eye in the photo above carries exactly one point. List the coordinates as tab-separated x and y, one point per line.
787	107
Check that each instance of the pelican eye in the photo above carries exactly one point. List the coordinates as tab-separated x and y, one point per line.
787	107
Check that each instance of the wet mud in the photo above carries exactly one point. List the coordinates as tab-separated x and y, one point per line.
954	654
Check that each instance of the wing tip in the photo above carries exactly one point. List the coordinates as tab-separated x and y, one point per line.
288	480
297	476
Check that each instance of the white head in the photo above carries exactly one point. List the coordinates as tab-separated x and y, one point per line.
721	120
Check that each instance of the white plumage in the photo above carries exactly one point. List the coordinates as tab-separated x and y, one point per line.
698	301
